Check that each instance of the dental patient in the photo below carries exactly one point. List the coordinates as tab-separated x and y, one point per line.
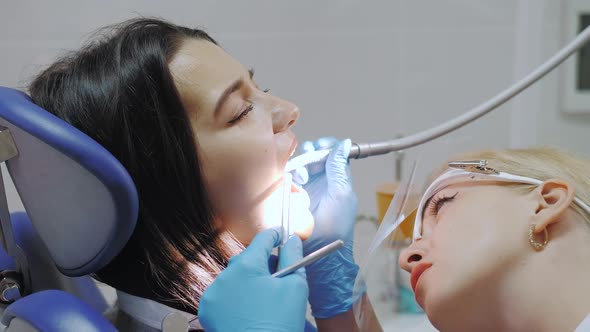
505	246
206	148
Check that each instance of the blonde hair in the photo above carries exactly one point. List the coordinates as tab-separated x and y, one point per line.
542	163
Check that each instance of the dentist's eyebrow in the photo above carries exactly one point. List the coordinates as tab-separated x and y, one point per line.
235	86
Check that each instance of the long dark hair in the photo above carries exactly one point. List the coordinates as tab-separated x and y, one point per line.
118	90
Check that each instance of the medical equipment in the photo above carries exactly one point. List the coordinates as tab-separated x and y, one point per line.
285	210
469	171
82	207
286	215
364	150
314	256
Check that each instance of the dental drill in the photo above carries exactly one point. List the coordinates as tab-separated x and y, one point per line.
364	150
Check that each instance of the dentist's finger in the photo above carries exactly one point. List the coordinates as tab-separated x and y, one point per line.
291	253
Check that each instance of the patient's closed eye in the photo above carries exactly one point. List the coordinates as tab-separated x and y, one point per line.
437	203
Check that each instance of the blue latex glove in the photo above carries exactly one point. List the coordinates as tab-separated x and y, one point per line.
333	205
245	297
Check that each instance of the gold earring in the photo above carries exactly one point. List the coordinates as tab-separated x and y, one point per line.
538	246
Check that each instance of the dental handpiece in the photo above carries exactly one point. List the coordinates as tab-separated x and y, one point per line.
364	150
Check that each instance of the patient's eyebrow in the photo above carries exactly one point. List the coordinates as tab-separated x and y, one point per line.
235	86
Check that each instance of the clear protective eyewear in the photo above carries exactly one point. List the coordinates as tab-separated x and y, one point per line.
470	171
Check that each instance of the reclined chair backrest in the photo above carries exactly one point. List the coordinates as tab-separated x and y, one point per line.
79	198
82	205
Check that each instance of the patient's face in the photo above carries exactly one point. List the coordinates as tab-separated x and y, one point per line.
474	235
243	134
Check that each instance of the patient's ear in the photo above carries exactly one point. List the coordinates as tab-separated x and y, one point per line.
554	198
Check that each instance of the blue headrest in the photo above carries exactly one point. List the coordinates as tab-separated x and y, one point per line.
80	199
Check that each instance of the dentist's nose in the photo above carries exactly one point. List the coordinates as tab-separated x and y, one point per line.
412	255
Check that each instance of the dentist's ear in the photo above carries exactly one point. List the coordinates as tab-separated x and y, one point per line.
553	198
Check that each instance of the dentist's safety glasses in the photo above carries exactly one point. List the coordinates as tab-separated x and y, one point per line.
471	171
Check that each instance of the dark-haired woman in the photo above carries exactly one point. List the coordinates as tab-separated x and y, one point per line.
206	148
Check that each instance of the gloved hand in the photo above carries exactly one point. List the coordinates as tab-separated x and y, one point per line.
246	297
333	205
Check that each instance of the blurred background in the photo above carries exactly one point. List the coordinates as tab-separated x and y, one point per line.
365	70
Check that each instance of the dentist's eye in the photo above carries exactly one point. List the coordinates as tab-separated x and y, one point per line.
245	112
438	202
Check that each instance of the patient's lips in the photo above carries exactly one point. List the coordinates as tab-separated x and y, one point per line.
417	272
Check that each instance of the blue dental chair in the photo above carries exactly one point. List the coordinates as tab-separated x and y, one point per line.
81	208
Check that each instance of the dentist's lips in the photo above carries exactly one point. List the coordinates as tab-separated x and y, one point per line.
416	273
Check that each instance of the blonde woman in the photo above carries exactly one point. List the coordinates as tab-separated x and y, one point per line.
505	246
